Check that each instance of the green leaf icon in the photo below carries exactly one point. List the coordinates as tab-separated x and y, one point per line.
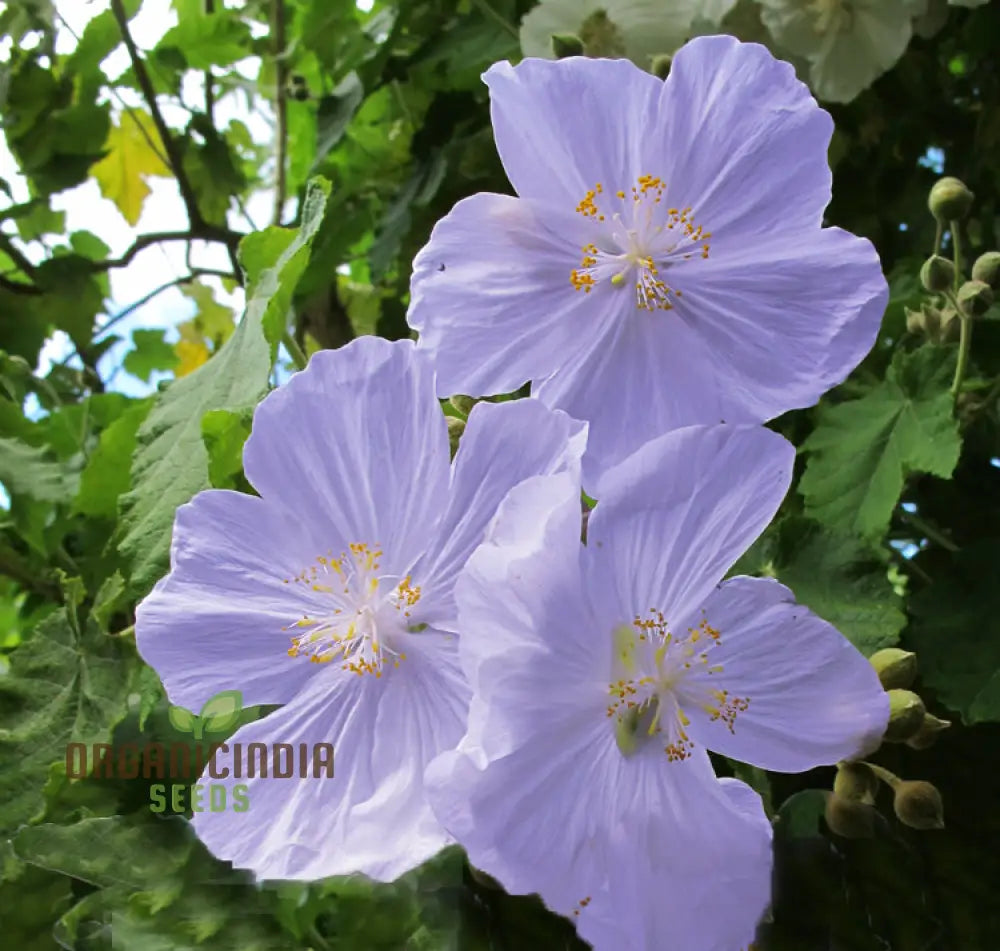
222	712
182	719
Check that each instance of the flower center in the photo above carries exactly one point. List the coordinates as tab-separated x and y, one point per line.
638	238
663	675
357	616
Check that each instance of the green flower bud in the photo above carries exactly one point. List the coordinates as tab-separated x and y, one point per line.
987	269
950	327
856	782
975	298
601	36
906	715
566	44
463	404
896	668
949	200
918	804
914	321
927	735
848	818
455	429
661	65
937	274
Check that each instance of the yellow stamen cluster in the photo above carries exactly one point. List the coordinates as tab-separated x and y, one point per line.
339	635
643	699
728	708
407	595
588	206
652	293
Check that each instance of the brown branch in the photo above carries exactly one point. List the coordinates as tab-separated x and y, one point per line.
18	287
280	109
204	232
149	94
209	78
10	249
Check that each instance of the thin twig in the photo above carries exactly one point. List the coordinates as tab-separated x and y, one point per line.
174	159
156	291
280	109
934	534
209	78
204	232
11	250
294	350
18	287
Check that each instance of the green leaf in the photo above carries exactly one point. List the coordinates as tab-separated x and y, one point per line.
335	113
954	632
212	39
224	434
862	450
839	579
64	685
274	265
150	353
171	462
106	475
29	471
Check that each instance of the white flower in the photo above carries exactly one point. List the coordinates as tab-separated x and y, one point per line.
636	29
848	43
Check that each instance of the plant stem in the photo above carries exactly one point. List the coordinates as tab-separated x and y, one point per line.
964	346
890	779
930	531
280	110
294	350
965	322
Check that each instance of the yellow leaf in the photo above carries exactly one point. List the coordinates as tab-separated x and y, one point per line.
213	321
191	355
131	158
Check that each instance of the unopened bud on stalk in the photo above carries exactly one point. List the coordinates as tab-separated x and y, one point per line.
661	65
927	735
566	44
949	200
987	269
906	715
918	804
975	298
937	274
856	782
896	668
848	818
951	326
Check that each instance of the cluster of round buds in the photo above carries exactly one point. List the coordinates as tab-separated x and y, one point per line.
957	301
850	807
